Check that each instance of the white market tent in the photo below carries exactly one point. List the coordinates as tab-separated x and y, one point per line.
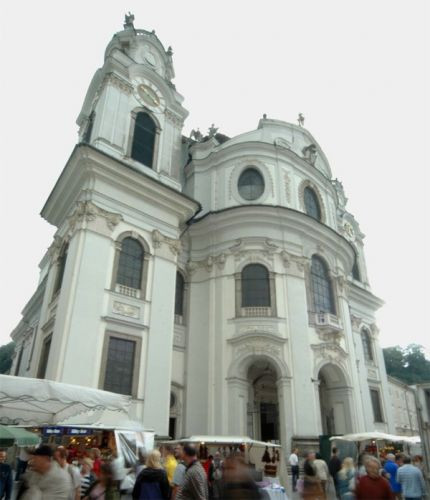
377	436
226	440
36	402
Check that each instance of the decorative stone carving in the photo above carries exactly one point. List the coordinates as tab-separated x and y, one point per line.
126	310
257	347
329	350
356	322
173	118
212	130
374	330
270	247
87	211
114	80
372	373
301	120
208	263
158	239
342	199
128	21
196	135
179	337
310	153
255	329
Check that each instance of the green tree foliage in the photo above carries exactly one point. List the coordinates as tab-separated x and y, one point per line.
6	352
408	364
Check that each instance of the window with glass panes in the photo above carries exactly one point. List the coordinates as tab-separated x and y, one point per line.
179	295
130	263
312	206
250	184
119	366
255	286
142	149
321	287
376	405
367	345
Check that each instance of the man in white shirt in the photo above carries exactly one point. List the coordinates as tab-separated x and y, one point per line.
294	462
60	456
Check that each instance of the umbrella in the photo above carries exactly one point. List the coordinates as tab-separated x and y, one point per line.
14	435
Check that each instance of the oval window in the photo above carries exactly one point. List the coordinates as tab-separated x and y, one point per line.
251	184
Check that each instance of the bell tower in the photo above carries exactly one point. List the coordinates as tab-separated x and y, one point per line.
132	110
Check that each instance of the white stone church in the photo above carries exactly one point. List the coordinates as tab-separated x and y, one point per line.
221	282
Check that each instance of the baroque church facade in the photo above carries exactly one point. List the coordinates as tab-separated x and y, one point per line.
221	282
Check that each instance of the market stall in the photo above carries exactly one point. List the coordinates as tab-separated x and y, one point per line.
266	460
380	443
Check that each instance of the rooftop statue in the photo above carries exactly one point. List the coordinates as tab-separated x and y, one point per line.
196	135
128	21
212	130
301	120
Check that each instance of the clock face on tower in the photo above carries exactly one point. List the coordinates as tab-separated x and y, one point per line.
149	95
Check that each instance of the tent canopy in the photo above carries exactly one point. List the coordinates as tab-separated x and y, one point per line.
376	435
30	401
225	440
14	435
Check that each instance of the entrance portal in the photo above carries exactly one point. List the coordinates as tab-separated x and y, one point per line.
263	408
334	401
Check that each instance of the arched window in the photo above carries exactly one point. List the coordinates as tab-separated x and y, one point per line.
321	287
312	206
60	268
367	345
142	149
130	263
255	286
179	296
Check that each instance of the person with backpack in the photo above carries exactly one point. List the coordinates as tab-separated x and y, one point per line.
152	482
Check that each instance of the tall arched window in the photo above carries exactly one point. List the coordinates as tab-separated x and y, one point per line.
255	286
60	268
312	206
142	149
130	263
321	287
179	296
367	345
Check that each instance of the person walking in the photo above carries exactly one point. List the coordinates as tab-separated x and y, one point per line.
391	468
60	456
322	472
293	460
217	476
195	486
152	483
6	478
238	483
411	480
45	480
312	489
170	462
346	479
334	467
373	486
87	476
179	476
105	488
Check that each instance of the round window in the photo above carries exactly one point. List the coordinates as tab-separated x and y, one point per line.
251	184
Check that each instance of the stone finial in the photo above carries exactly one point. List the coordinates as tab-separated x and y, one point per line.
169	51
212	130
301	120
264	116
129	21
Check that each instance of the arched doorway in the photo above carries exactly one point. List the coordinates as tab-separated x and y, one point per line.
334	396
263	420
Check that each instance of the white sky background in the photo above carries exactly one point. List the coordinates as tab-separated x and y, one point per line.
355	69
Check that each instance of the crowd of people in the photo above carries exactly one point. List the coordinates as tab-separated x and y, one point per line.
396	478
171	473
178	473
